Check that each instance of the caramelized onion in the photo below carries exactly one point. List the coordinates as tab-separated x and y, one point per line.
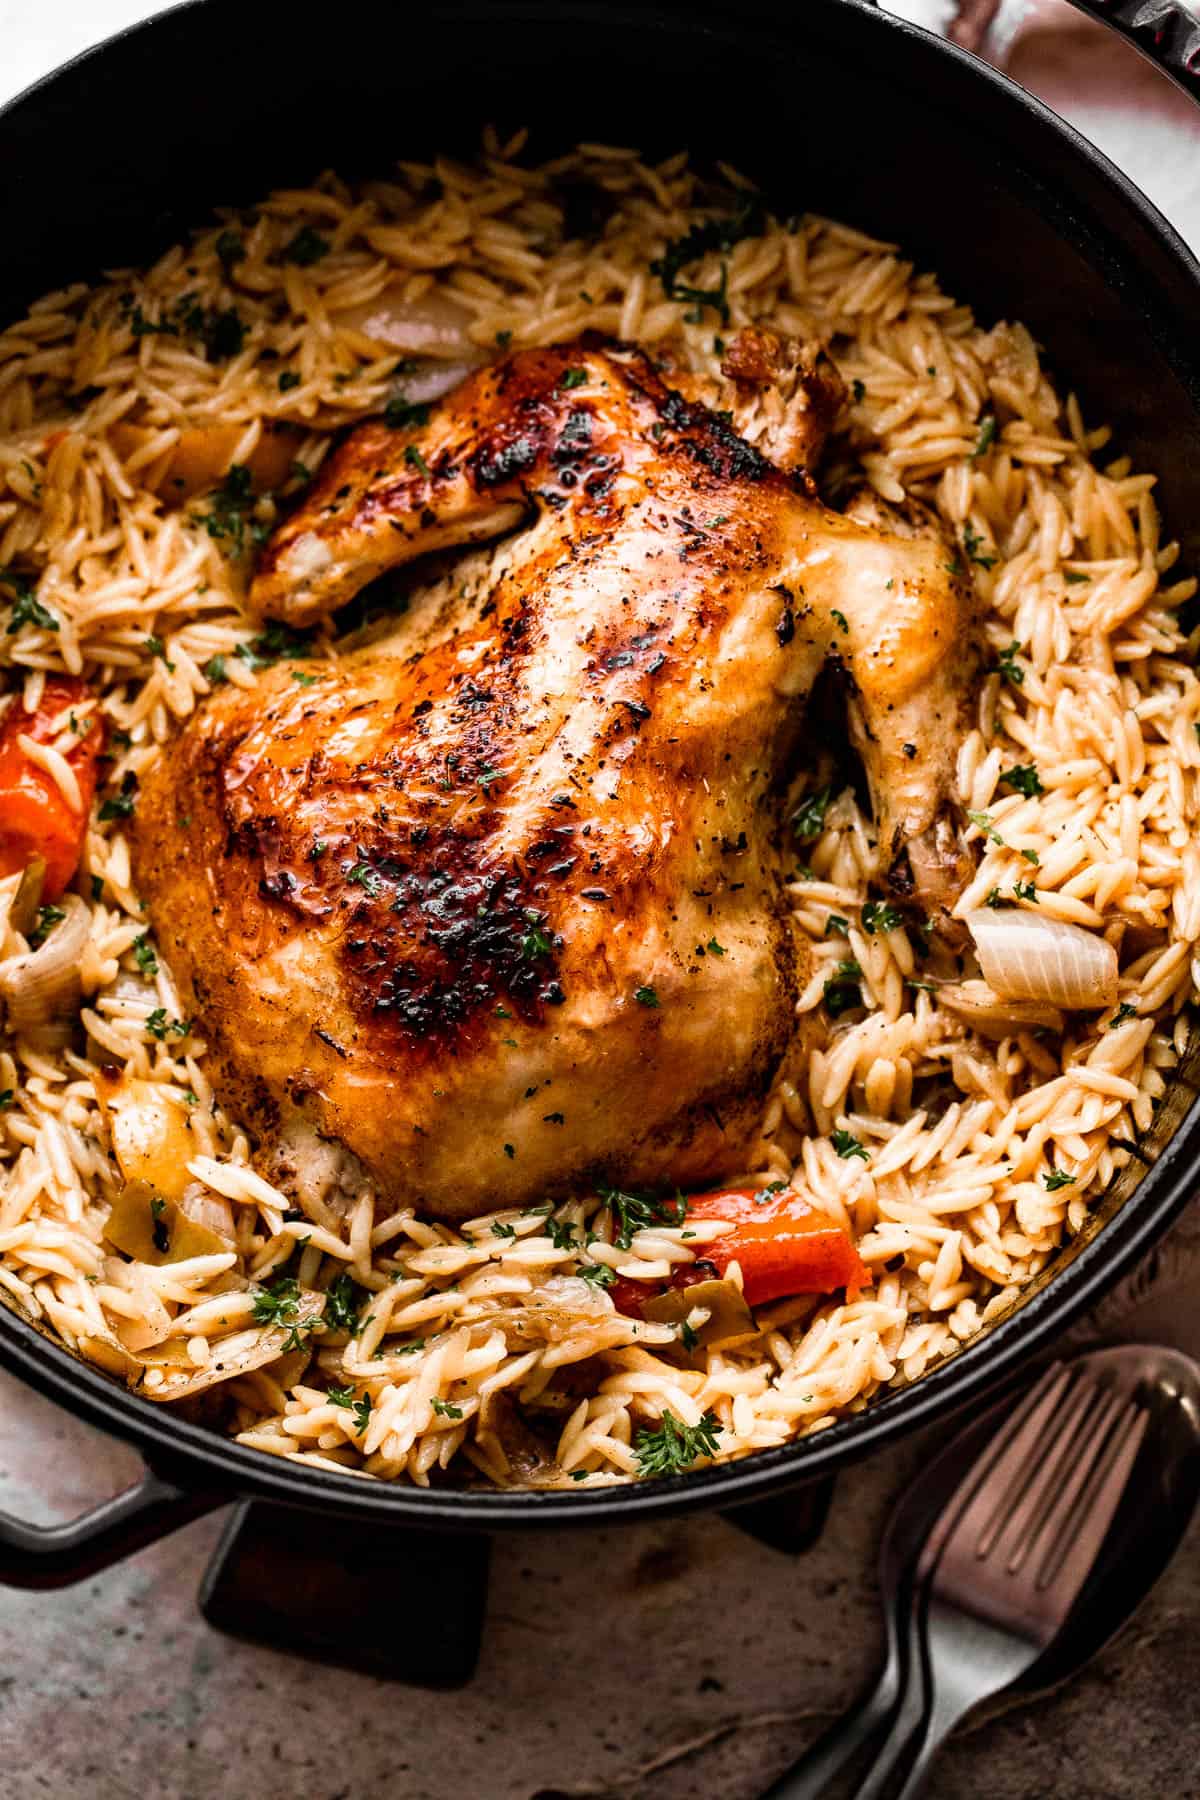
993	1016
1024	957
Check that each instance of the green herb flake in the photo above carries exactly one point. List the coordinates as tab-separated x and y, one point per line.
674	1446
1126	1010
599	1274
445	1409
1057	1178
808	820
972	543
842	622
646	996
48	917
713	948
400	413
288	379
633	1212
144	957
343	1298
415	460
837	926
1024	778
573	378
27	609
878	916
306	248
847	1146
1009	667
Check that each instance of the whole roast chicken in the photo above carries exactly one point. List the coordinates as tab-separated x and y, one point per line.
492	904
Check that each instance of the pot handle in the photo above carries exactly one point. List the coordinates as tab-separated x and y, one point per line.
1166	32
54	1556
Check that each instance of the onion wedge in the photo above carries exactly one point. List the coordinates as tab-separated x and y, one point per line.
1024	957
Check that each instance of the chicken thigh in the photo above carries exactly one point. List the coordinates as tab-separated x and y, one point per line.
494	902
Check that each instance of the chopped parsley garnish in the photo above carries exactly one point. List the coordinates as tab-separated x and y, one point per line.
230	504
1024	778
144	957
214	670
306	248
160	1026
362	875
639	1212
48	917
837	926
561	1234
971	544
360	1408
987	435
342	1299
278	1303
715	234
1057	1178
858	390
1009	667
299	676
1025	890
848	1145
984	822
675	1446
994	898
534	942
1074	577
1126	1010
573	378
230	250
27	609
288	379
413	457
843	622
646	996
599	1274
445	1409
501	1230
504	339
7	1096
842	991
808	820
878	916
156	647
400	413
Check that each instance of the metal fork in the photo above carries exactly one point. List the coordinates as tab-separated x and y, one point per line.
1003	1568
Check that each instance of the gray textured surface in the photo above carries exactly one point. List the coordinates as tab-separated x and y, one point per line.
674	1661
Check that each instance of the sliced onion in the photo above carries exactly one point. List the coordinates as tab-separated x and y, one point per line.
993	1016
26	902
1024	957
42	988
432	380
235	1355
434	325
211	1212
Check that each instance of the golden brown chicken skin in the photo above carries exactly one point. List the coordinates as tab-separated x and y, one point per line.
495	902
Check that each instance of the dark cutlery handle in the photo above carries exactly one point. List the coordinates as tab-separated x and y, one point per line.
809	1778
53	1556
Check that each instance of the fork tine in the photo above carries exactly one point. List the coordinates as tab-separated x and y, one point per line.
1007	1469
1003	1460
1060	1476
1081	1527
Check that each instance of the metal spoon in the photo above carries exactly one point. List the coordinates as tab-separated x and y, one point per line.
1141	1541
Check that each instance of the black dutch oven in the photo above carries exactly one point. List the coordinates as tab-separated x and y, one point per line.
829	105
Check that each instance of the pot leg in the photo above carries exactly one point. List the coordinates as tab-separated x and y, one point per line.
334	1592
789	1522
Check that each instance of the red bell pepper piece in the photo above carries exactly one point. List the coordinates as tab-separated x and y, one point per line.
35	819
783	1245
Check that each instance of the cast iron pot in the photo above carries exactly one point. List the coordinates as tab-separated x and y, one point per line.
832	106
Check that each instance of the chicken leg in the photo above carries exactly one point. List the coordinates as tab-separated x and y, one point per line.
494	902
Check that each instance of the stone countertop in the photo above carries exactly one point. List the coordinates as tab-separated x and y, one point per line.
671	1661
